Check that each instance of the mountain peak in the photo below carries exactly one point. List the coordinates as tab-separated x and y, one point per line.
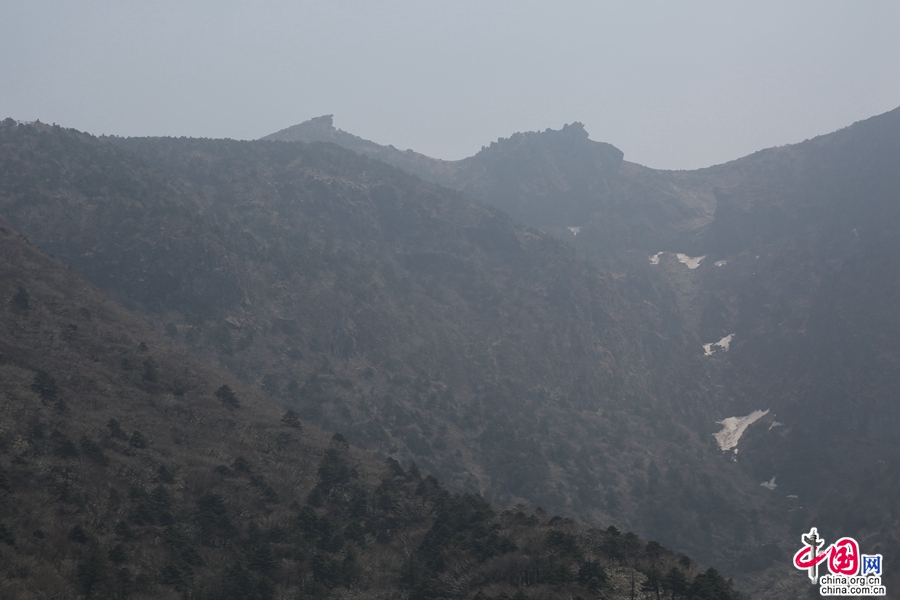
323	123
322	129
575	129
313	130
327	120
572	137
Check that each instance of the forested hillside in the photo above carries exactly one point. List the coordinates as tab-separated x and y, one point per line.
419	324
781	266
426	325
130	471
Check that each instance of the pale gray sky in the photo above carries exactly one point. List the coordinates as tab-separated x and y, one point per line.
673	84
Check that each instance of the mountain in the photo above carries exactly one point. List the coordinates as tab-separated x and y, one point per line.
811	275
418	323
788	257
322	129
128	470
560	181
580	362
128	473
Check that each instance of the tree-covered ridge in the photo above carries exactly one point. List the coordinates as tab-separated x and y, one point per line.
446	545
420	324
800	268
129	471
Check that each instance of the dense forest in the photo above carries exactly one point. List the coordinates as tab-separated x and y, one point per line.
130	471
477	363
418	323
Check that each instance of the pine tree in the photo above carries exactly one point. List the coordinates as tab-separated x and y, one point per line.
226	395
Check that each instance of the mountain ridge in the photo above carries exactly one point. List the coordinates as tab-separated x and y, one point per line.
504	174
796	257
394	306
623	379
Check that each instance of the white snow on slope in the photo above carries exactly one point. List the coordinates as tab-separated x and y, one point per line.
692	262
770	484
724	343
654	260
720	263
574	230
733	428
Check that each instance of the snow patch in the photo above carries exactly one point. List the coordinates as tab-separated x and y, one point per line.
733	428
793	496
692	262
720	263
776	424
654	260
574	230
770	484
724	343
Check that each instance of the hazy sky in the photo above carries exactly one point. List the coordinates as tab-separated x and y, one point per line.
672	84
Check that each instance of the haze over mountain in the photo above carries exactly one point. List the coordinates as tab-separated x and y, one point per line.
554	180
415	322
673	85
796	264
130	471
425	324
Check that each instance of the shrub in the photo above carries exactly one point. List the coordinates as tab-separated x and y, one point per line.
93	451
78	534
115	430
65	448
20	299
149	375
6	535
212	517
92	571
291	419
4	482
45	386
226	395
138	440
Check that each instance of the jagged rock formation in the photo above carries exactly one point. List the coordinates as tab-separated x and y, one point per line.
322	129
555	180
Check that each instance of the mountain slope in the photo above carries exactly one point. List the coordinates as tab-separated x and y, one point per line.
791	255
810	289
416	322
129	471
115	445
322	129
559	181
